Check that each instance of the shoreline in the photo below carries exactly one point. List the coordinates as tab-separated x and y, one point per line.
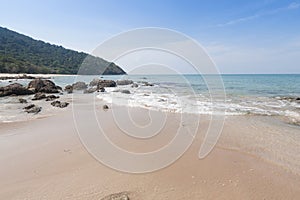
34	75
53	157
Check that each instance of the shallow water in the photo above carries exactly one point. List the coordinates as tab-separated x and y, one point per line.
245	94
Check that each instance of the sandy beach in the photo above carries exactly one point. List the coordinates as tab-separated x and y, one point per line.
150	100
45	159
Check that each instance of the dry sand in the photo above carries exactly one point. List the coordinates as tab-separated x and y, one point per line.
44	159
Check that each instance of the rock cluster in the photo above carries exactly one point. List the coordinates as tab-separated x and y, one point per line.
40	96
14	89
45	86
59	104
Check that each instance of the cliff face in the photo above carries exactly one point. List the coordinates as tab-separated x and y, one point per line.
22	54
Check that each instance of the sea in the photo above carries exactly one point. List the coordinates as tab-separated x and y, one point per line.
228	94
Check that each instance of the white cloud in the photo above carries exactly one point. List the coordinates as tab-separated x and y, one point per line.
291	6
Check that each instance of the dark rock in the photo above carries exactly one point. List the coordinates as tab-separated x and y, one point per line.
59	104
39	96
14	89
135	85
106	83
117	196
291	99
51	97
79	85
29	106
40	85
22	100
122	91
32	109
69	89
105	107
124	82
145	83
101	89
125	91
90	90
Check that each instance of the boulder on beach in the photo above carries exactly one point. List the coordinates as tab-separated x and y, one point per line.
145	83
69	89
102	83
21	100
42	85
101	89
90	90
14	89
32	109
105	107
79	85
59	104
39	96
94	82
124	82
51	97
106	83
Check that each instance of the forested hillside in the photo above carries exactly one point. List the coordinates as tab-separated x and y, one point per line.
22	54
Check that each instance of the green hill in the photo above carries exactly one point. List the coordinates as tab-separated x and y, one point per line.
22	54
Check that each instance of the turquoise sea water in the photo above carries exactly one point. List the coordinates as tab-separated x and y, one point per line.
257	94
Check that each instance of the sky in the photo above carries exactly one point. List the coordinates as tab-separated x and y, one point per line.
240	36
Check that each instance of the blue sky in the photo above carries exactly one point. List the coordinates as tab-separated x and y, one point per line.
241	36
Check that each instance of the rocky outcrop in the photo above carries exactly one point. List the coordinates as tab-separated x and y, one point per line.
14	89
106	83
79	85
69	89
59	104
124	82
45	86
32	109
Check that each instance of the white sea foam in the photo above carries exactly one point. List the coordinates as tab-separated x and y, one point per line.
162	99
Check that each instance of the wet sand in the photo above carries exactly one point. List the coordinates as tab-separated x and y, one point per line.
45	159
